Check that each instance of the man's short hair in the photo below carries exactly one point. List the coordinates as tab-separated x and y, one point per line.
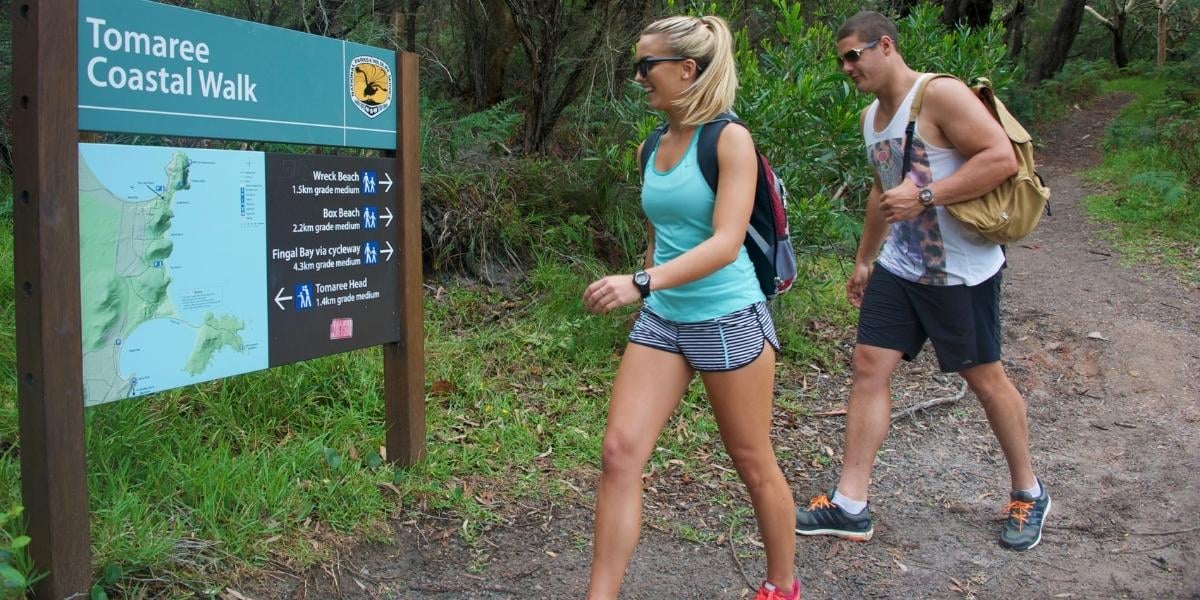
869	26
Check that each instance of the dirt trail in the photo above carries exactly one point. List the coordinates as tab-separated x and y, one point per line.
1105	356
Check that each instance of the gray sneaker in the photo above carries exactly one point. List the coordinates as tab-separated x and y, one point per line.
1026	516
823	517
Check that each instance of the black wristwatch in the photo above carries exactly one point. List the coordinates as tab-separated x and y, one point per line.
641	280
925	195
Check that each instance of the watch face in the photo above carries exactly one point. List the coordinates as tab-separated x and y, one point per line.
641	278
925	195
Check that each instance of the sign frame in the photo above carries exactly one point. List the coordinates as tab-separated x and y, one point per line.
46	261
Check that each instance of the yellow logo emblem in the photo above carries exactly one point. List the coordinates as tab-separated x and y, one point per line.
370	85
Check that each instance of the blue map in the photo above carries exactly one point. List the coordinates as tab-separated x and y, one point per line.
172	267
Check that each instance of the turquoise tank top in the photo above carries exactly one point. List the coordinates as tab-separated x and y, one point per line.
680	205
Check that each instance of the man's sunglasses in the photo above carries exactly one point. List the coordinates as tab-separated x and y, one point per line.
642	66
852	55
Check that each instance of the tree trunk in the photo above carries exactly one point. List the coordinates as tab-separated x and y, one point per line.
903	7
1014	29
488	41
1120	51
411	25
1058	43
562	43
1162	36
972	13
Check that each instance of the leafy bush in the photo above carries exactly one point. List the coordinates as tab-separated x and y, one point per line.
1078	82
15	566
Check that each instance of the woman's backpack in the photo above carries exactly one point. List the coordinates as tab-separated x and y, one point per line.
768	241
1012	210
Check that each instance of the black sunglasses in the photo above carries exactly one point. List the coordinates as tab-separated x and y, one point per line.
852	55
642	66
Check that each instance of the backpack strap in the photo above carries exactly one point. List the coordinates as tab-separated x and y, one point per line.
706	146
918	100
649	145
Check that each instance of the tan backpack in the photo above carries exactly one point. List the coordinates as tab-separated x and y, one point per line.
1011	210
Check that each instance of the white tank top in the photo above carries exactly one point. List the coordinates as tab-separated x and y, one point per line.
933	248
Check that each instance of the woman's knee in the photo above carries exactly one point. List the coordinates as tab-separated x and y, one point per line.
756	467
621	455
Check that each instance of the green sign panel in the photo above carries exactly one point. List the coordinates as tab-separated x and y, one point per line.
146	67
198	264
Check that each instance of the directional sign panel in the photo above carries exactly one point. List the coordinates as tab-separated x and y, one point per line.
332	269
200	264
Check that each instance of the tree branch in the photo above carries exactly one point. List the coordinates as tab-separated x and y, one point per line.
1106	22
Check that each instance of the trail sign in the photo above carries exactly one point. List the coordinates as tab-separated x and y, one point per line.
148	67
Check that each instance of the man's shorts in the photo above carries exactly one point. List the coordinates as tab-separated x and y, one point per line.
963	322
725	343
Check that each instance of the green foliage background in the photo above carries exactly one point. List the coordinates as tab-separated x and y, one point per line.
191	484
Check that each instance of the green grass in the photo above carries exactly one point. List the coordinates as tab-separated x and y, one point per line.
1151	196
193	483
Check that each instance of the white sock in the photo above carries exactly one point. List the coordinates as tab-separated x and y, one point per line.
1036	490
853	507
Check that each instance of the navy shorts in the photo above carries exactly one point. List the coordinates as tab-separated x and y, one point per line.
725	343
962	322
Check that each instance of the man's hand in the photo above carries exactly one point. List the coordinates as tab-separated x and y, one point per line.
900	203
610	292
857	283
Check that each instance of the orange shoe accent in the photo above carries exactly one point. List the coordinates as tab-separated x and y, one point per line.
1018	510
819	502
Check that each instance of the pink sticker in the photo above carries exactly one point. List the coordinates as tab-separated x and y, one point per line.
341	329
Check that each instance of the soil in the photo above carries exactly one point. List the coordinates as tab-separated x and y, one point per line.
1105	356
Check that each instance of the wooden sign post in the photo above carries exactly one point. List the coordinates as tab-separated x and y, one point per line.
50	61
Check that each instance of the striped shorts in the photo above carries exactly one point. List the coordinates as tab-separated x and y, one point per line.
725	343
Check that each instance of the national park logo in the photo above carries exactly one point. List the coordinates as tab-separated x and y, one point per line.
370	85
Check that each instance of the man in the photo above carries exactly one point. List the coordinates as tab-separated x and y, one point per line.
934	279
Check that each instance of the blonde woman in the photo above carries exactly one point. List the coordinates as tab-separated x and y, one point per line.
703	309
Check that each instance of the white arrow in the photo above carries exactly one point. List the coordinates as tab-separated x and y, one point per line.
388	216
388	252
279	298
387	180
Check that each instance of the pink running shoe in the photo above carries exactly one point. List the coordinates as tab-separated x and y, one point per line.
770	592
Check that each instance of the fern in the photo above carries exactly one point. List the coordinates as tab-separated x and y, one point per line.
1167	184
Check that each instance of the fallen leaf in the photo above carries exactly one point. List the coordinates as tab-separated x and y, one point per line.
903	569
442	387
551	554
1096	335
1087	367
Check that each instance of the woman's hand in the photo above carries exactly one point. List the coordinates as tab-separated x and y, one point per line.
610	292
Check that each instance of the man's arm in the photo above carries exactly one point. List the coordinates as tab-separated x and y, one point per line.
966	125
874	231
971	130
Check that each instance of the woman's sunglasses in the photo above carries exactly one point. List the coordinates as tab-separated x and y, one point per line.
642	66
852	55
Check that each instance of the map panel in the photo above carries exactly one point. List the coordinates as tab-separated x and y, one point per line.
172	274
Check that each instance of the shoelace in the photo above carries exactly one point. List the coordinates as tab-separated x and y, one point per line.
820	502
1019	510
